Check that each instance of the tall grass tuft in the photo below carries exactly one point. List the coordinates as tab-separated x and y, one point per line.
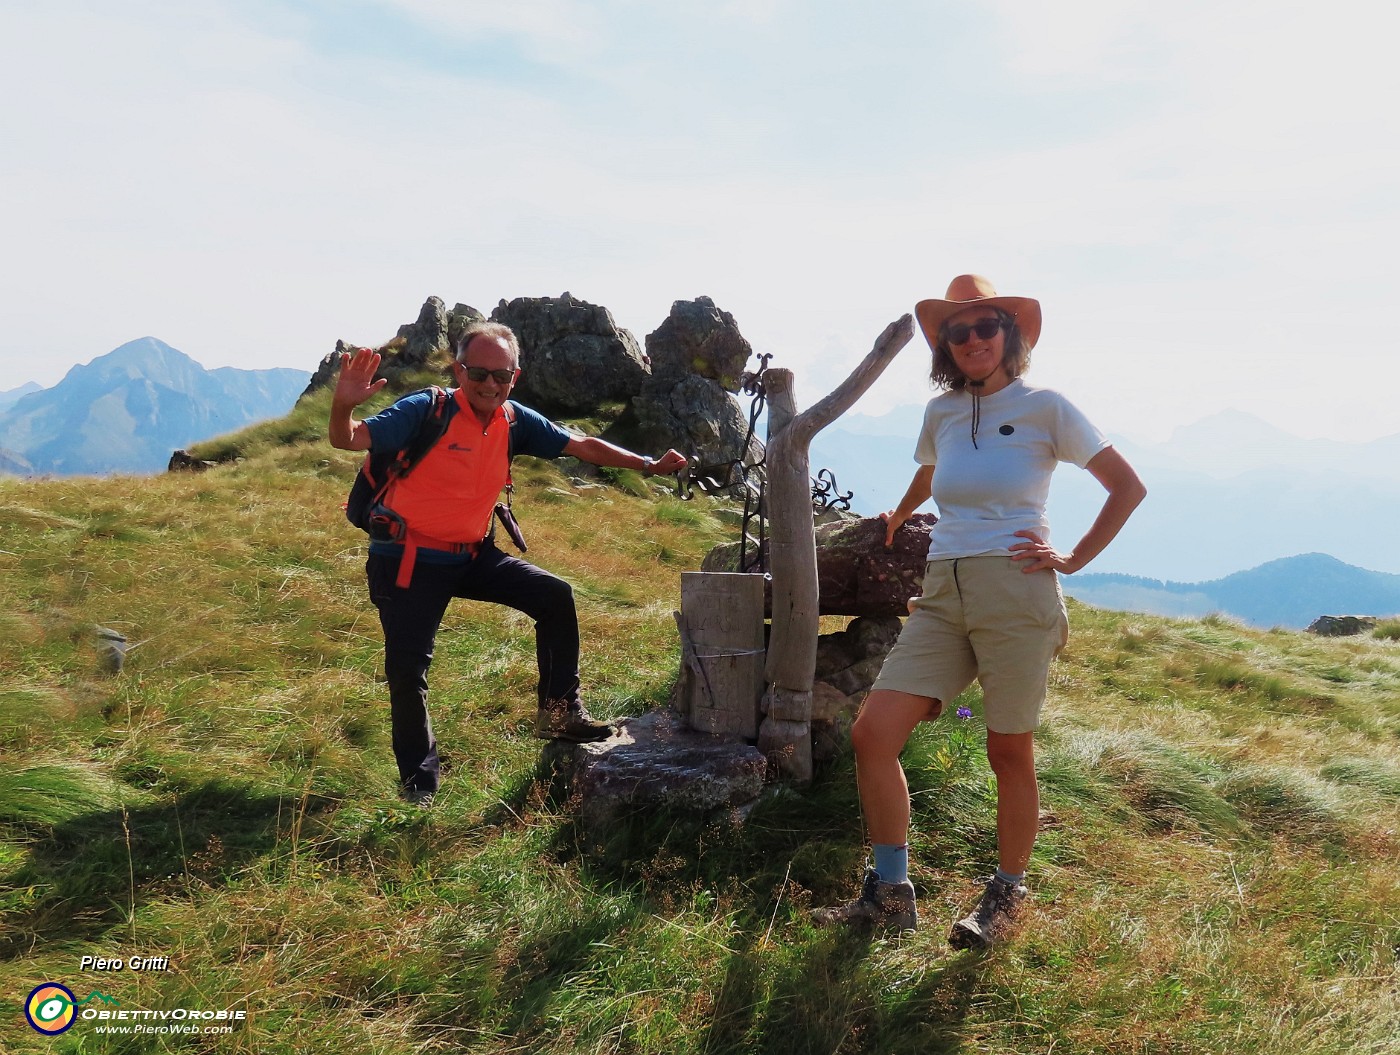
1387	630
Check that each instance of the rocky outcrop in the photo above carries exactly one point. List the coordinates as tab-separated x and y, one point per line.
573	357
424	344
1342	625
576	361
424	340
185	462
326	369
856	574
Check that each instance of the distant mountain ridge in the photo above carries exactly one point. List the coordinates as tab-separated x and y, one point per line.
14	395
125	411
1291	592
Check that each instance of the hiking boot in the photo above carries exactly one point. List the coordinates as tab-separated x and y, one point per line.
879	905
1001	904
420	797
567	720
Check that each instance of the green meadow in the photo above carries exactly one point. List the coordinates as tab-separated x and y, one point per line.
1216	870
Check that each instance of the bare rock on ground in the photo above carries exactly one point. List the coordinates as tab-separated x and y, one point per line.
657	761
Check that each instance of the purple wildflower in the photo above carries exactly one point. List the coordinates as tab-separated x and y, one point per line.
964	713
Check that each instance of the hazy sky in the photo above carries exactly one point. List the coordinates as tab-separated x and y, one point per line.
1202	194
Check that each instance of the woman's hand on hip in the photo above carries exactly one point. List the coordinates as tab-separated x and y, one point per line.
1037	555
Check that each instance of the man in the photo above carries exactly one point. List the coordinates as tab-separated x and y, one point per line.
446	505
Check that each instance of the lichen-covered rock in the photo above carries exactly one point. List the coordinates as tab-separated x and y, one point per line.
699	339
462	315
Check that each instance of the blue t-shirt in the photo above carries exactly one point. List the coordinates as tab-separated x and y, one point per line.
531	433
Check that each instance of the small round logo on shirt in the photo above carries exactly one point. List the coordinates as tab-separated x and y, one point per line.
1007	430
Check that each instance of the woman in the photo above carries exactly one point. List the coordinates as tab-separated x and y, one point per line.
991	607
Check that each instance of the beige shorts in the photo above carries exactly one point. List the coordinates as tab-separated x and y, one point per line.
982	618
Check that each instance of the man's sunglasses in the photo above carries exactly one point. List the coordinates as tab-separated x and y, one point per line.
985	329
480	373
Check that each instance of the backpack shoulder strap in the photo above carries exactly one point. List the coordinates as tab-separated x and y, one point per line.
430	430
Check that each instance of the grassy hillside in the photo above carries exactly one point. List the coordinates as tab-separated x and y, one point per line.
1217	870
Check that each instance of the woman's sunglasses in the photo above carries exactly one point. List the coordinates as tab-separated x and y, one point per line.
959	332
480	373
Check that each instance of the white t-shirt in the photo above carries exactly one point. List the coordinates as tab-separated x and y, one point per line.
986	493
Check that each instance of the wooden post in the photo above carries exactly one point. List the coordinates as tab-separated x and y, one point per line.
785	735
721	625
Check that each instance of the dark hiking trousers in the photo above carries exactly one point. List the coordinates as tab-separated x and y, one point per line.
410	618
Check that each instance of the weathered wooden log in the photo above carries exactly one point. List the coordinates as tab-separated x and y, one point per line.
791	705
787	746
721	624
792	649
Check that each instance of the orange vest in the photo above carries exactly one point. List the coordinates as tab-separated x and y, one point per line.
451	493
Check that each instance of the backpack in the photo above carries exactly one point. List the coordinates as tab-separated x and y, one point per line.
382	468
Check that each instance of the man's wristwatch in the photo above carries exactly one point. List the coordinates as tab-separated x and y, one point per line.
648	463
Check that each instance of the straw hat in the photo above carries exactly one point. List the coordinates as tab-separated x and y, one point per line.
971	291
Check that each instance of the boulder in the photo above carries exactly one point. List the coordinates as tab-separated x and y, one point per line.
697	358
693	415
656	762
698	339
1341	625
573	357
847	664
856	574
848	660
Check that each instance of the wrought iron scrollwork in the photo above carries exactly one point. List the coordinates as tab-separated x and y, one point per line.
827	495
739	476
